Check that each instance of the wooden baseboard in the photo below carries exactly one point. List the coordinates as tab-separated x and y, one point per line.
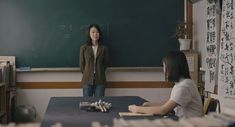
71	85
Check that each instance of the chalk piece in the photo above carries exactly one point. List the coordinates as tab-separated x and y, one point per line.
25	68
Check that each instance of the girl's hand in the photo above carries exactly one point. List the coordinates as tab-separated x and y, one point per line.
132	108
146	104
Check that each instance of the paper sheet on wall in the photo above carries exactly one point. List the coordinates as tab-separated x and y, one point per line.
226	73
211	47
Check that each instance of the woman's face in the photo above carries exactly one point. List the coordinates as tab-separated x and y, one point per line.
94	34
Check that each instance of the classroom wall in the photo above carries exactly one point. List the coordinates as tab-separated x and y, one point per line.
199	29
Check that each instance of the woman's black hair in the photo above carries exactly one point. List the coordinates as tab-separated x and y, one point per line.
176	66
89	41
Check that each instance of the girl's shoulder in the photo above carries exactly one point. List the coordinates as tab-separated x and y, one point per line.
186	83
188	80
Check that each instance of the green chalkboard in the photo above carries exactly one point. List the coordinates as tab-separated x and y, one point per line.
49	33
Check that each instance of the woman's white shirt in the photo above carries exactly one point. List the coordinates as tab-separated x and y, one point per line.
188	99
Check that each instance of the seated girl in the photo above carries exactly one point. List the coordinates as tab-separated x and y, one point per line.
185	99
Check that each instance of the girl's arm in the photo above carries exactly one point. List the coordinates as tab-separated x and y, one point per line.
160	110
152	103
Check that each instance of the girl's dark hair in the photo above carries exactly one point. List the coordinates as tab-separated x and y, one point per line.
176	66
89	42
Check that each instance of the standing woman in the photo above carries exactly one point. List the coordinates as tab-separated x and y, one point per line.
93	63
185	99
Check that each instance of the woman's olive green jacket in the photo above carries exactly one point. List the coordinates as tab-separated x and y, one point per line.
87	64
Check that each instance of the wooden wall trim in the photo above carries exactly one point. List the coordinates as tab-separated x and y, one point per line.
190	21
72	85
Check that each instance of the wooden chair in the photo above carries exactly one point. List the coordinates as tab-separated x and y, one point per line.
211	105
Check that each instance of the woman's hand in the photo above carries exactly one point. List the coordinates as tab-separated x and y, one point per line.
133	108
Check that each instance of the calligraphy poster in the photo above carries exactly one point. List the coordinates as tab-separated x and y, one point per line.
211	46
226	73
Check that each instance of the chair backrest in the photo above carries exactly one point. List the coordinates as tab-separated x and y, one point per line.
211	105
